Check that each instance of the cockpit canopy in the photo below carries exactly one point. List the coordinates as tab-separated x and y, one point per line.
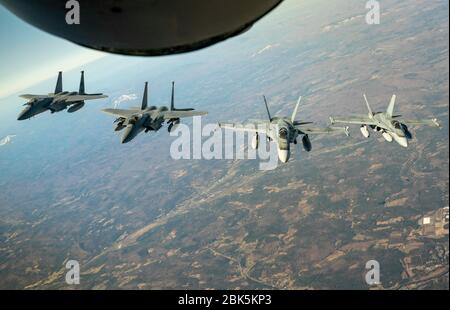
397	125
134	119
282	133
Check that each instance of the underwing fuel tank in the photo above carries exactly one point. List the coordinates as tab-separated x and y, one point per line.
306	143
142	27
365	131
75	107
57	106
284	155
387	136
255	141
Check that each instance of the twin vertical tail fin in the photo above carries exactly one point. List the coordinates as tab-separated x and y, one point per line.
267	108
390	109
144	98
81	90
368	106
294	113
59	86
172	99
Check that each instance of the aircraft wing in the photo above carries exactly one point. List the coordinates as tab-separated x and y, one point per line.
430	122
256	121
181	114
83	97
326	130
260	126
29	97
120	112
359	119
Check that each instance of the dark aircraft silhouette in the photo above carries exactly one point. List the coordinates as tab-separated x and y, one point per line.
143	27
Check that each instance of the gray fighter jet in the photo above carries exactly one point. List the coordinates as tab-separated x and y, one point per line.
135	120
390	125
283	130
57	101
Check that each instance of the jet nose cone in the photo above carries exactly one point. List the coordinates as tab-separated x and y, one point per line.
127	135
23	115
283	155
403	142
125	139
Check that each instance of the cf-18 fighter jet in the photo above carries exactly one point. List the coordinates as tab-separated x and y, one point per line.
144	118
390	126
283	131
57	101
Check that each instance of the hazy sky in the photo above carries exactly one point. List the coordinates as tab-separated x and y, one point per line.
29	55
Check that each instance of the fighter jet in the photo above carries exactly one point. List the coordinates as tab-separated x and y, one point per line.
283	130
389	125
57	101
135	120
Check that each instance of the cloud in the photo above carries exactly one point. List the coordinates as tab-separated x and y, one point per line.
341	23
266	48
6	140
124	98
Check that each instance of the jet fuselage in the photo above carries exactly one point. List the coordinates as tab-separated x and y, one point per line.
283	132
150	119
391	128
35	107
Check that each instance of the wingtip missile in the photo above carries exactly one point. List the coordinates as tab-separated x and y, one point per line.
436	122
347	131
